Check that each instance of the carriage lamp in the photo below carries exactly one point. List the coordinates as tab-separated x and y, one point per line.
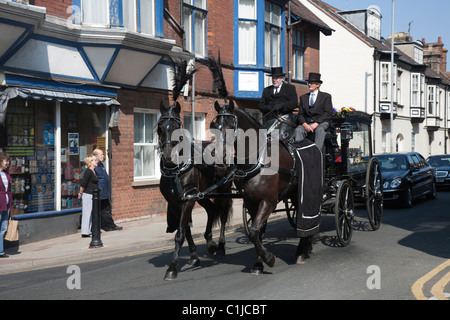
346	131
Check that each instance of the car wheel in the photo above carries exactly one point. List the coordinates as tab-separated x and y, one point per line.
407	200
433	193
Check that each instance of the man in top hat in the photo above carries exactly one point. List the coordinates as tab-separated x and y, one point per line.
315	112
278	99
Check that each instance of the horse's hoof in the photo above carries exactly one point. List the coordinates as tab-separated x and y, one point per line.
301	259
257	269
194	262
221	250
170	275
271	261
212	250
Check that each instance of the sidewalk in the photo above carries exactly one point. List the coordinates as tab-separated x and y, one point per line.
138	236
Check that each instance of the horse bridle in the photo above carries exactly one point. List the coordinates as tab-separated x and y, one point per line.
177	170
223	115
169	118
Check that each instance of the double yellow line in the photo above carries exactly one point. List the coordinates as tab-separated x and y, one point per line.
437	290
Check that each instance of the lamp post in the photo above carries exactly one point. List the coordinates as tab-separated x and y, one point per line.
392	80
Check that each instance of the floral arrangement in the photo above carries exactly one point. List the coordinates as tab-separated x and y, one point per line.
342	112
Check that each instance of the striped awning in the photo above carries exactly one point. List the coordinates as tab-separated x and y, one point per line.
51	95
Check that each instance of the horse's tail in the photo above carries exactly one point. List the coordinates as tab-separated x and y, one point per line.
223	209
173	206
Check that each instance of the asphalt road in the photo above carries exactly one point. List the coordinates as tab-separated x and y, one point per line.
406	259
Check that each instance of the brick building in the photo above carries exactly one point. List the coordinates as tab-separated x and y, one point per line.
86	73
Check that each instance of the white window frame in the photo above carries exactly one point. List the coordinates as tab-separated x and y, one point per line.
385	81
385	76
415	90
154	144
431	100
194	18
448	107
399	87
418	55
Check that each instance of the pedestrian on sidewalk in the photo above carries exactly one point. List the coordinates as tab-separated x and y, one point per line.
88	184
5	199
107	222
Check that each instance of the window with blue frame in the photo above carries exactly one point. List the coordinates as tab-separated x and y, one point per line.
272	34
247	32
260	33
139	15
143	16
298	54
194	24
259	44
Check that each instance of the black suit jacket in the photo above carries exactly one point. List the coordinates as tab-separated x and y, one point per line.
282	103
322	111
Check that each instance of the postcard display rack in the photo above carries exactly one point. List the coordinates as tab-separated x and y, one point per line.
32	165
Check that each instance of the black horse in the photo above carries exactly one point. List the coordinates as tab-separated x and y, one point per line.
179	180
262	186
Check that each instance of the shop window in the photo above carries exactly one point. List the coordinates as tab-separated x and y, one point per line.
146	161
31	156
82	130
32	147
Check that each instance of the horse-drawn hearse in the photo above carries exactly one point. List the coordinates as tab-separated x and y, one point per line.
352	175
264	170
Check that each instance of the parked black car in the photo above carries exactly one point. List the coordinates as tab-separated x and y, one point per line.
406	176
441	166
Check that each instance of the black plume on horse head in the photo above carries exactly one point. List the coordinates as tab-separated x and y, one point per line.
216	70
181	75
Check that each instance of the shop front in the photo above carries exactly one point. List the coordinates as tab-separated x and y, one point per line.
47	134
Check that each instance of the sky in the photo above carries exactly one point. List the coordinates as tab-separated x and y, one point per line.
430	18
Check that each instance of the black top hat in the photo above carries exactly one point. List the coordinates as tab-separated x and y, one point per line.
277	72
314	77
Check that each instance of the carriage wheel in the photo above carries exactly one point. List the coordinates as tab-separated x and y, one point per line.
291	212
343	213
247	219
374	193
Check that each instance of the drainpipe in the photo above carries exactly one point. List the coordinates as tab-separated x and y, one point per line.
289	33
193	101
392	81
375	56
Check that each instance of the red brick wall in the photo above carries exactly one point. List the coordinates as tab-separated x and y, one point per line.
129	202
57	8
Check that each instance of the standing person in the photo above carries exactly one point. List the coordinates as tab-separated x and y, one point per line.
315	112
107	221
88	184
278	99
5	199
